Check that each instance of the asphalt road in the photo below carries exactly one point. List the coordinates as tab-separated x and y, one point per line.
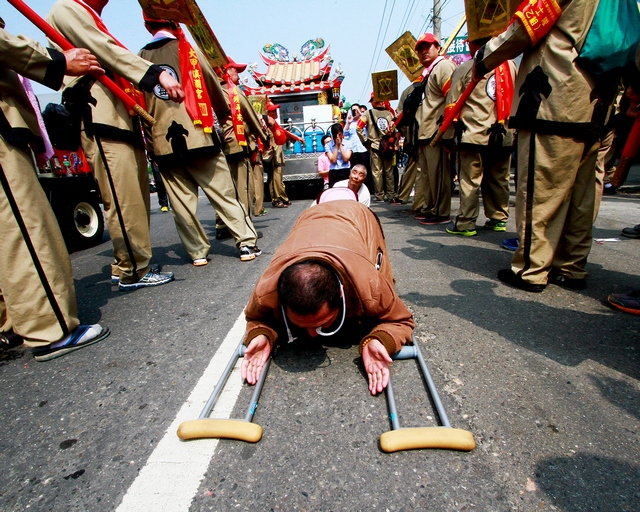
548	384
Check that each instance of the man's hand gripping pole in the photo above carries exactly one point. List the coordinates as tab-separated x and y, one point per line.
63	43
241	430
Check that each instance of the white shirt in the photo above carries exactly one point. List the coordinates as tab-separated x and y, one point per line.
364	196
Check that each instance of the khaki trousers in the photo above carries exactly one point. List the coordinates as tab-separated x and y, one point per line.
128	167
240	166
486	171
435	180
604	172
212	175
257	172
40	307
554	206
276	186
408	179
382	172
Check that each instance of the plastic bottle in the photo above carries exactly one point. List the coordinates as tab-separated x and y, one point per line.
67	166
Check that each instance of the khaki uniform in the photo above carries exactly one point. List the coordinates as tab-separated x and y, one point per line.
412	170
257	175
119	134
377	120
558	112
484	164
237	155
274	158
37	296
189	158
434	162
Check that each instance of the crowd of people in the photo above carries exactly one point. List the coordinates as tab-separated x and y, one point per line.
208	136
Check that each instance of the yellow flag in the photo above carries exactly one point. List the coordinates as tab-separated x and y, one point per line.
487	18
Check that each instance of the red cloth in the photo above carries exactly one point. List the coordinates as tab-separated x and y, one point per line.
537	17
504	91
236	112
196	97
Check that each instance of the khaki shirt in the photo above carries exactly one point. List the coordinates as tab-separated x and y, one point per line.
164	52
479	112
432	106
377	121
78	26
559	97
33	61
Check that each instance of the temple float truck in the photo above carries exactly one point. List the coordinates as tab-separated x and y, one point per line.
308	94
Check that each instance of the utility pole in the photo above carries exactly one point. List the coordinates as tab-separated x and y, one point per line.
436	18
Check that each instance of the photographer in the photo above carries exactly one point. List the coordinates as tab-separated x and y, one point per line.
339	153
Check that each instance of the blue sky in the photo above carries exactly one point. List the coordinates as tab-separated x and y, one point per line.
356	30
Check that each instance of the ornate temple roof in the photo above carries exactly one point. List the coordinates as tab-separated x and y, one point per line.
310	74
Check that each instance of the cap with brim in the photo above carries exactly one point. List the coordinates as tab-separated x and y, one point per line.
148	19
233	64
426	38
272	107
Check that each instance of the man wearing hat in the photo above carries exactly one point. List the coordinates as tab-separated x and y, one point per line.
185	143
435	175
378	122
241	130
484	145
274	158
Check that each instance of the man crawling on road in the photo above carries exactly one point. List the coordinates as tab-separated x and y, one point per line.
331	274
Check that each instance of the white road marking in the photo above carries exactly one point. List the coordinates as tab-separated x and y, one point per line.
172	475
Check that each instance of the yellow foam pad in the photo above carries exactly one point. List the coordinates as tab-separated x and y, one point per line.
220	428
427	437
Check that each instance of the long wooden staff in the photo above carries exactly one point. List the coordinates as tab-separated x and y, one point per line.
63	43
628	153
453	35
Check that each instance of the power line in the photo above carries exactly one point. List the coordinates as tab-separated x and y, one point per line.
364	87
384	37
406	18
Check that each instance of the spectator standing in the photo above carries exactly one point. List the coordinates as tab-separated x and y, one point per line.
359	155
161	190
339	153
324	164
275	155
378	122
411	170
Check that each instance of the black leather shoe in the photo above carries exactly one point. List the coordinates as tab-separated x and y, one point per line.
633	232
507	276
566	282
